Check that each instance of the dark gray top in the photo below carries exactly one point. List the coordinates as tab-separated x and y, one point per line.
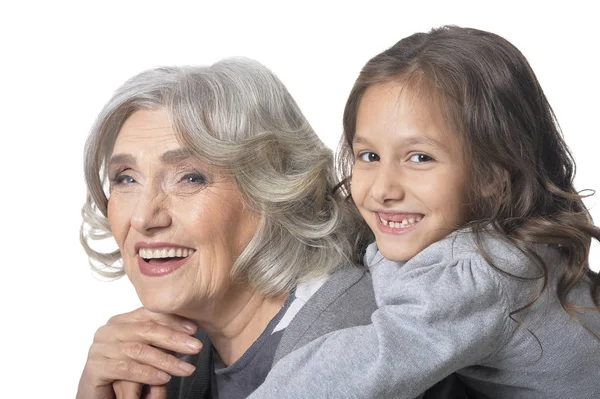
241	378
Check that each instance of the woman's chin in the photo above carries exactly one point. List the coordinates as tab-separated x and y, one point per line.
159	301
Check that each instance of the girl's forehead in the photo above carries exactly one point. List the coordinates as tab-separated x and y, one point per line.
396	104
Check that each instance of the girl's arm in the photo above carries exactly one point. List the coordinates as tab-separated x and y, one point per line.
433	320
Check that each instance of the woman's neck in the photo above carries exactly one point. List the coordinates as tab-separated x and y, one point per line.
235	326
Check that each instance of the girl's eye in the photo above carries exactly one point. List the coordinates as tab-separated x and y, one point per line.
194	178
420	158
368	156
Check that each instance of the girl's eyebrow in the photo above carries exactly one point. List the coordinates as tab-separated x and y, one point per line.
359	140
424	140
412	140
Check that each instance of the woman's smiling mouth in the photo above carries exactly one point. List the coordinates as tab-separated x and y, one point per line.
159	260
161	253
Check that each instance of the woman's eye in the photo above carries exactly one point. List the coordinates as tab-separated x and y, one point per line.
368	156
123	179
194	178
420	158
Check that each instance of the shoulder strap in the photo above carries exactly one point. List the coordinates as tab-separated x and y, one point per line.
196	386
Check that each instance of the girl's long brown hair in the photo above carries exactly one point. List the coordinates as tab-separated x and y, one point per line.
522	170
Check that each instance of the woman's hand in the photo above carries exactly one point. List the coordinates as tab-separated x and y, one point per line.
133	390
136	347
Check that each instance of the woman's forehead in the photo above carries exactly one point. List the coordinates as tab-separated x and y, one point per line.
147	132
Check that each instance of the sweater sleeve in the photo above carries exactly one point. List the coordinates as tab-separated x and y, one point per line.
432	320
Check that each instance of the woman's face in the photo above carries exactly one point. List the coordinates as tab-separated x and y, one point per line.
179	223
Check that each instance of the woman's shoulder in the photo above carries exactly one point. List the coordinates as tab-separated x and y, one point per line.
348	293
345	299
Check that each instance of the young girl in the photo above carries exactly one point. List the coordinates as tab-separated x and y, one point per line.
480	266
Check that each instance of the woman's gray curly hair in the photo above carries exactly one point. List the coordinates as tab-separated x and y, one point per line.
237	115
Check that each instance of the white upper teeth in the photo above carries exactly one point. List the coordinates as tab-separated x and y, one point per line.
403	224
148	253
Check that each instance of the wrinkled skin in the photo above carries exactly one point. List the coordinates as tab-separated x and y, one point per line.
136	349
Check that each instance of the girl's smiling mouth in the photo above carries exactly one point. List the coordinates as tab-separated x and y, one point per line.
397	222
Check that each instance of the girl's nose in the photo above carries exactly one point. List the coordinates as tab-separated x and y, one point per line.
387	186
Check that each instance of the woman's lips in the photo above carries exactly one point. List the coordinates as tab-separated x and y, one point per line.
156	259
160	267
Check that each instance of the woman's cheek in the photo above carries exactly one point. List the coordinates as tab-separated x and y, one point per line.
117	219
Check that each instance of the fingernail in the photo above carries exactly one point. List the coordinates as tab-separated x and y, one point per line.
163	376
189	326
194	344
188	368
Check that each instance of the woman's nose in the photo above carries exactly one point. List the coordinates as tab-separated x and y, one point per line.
387	186
151	212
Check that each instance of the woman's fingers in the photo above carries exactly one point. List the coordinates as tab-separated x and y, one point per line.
124	356
90	387
99	375
132	390
172	321
111	370
149	332
127	390
157	392
137	347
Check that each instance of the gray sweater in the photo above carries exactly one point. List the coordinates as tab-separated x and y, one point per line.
448	310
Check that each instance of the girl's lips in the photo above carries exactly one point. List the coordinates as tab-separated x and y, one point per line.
159	268
399	217
396	220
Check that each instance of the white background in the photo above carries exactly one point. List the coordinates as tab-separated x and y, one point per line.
61	62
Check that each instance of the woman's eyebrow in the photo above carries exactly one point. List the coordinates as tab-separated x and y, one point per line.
122	159
176	156
169	157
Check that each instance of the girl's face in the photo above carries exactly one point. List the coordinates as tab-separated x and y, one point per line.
409	179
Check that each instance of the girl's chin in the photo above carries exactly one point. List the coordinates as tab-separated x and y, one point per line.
393	253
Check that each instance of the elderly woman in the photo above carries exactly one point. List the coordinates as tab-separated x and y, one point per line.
220	200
